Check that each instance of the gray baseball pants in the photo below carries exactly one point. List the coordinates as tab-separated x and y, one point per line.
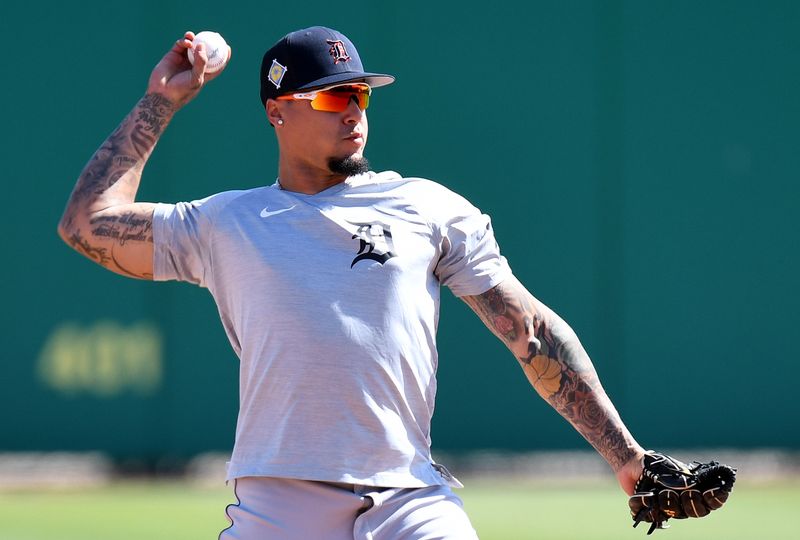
288	509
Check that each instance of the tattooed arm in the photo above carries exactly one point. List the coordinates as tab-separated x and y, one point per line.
560	370
101	220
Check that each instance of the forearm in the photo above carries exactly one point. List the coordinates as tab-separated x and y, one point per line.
557	366
112	175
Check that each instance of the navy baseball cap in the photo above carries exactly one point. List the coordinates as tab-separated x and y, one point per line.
313	58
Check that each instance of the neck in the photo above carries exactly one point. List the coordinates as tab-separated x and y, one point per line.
306	179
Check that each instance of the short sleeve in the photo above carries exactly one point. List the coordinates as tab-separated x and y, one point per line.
180	243
470	261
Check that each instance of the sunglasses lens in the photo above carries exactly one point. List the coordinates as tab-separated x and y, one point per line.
338	100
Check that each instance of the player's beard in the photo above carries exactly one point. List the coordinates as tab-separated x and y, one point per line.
349	166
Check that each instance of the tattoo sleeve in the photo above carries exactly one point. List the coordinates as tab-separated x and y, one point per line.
101	220
557	366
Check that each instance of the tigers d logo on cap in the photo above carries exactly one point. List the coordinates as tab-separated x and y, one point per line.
338	51
311	59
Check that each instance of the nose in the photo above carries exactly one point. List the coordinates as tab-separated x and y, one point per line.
353	113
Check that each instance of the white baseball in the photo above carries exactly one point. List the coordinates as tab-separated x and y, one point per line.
216	50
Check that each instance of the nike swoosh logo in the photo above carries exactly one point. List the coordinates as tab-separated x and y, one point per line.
267	213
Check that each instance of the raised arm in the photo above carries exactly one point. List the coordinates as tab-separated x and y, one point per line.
560	370
102	221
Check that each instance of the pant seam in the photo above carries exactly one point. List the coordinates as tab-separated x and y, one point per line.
227	510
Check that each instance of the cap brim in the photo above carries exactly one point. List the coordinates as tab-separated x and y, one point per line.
373	79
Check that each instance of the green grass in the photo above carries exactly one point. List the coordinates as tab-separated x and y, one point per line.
122	511
500	510
599	512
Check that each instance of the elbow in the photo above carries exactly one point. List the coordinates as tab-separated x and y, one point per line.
69	229
64	229
61	230
554	338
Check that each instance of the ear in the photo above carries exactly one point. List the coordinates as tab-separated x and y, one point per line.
273	112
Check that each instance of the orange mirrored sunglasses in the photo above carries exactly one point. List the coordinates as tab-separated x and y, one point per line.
335	98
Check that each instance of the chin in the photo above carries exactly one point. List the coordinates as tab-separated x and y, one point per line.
350	166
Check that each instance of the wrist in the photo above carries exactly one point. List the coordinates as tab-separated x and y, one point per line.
155	111
625	458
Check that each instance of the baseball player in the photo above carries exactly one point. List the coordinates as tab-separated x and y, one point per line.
327	283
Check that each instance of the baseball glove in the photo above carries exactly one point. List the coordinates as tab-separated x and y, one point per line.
668	488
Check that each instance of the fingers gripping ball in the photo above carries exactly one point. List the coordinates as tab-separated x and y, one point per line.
669	488
217	50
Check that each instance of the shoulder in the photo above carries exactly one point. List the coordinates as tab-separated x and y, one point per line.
220	201
211	206
424	192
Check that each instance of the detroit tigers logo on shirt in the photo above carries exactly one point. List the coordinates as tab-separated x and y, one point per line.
338	51
375	243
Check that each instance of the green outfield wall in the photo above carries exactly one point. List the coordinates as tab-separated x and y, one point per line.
640	160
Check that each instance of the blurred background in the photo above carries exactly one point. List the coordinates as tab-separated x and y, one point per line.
640	161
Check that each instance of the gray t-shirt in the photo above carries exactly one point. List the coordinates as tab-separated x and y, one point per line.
331	302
